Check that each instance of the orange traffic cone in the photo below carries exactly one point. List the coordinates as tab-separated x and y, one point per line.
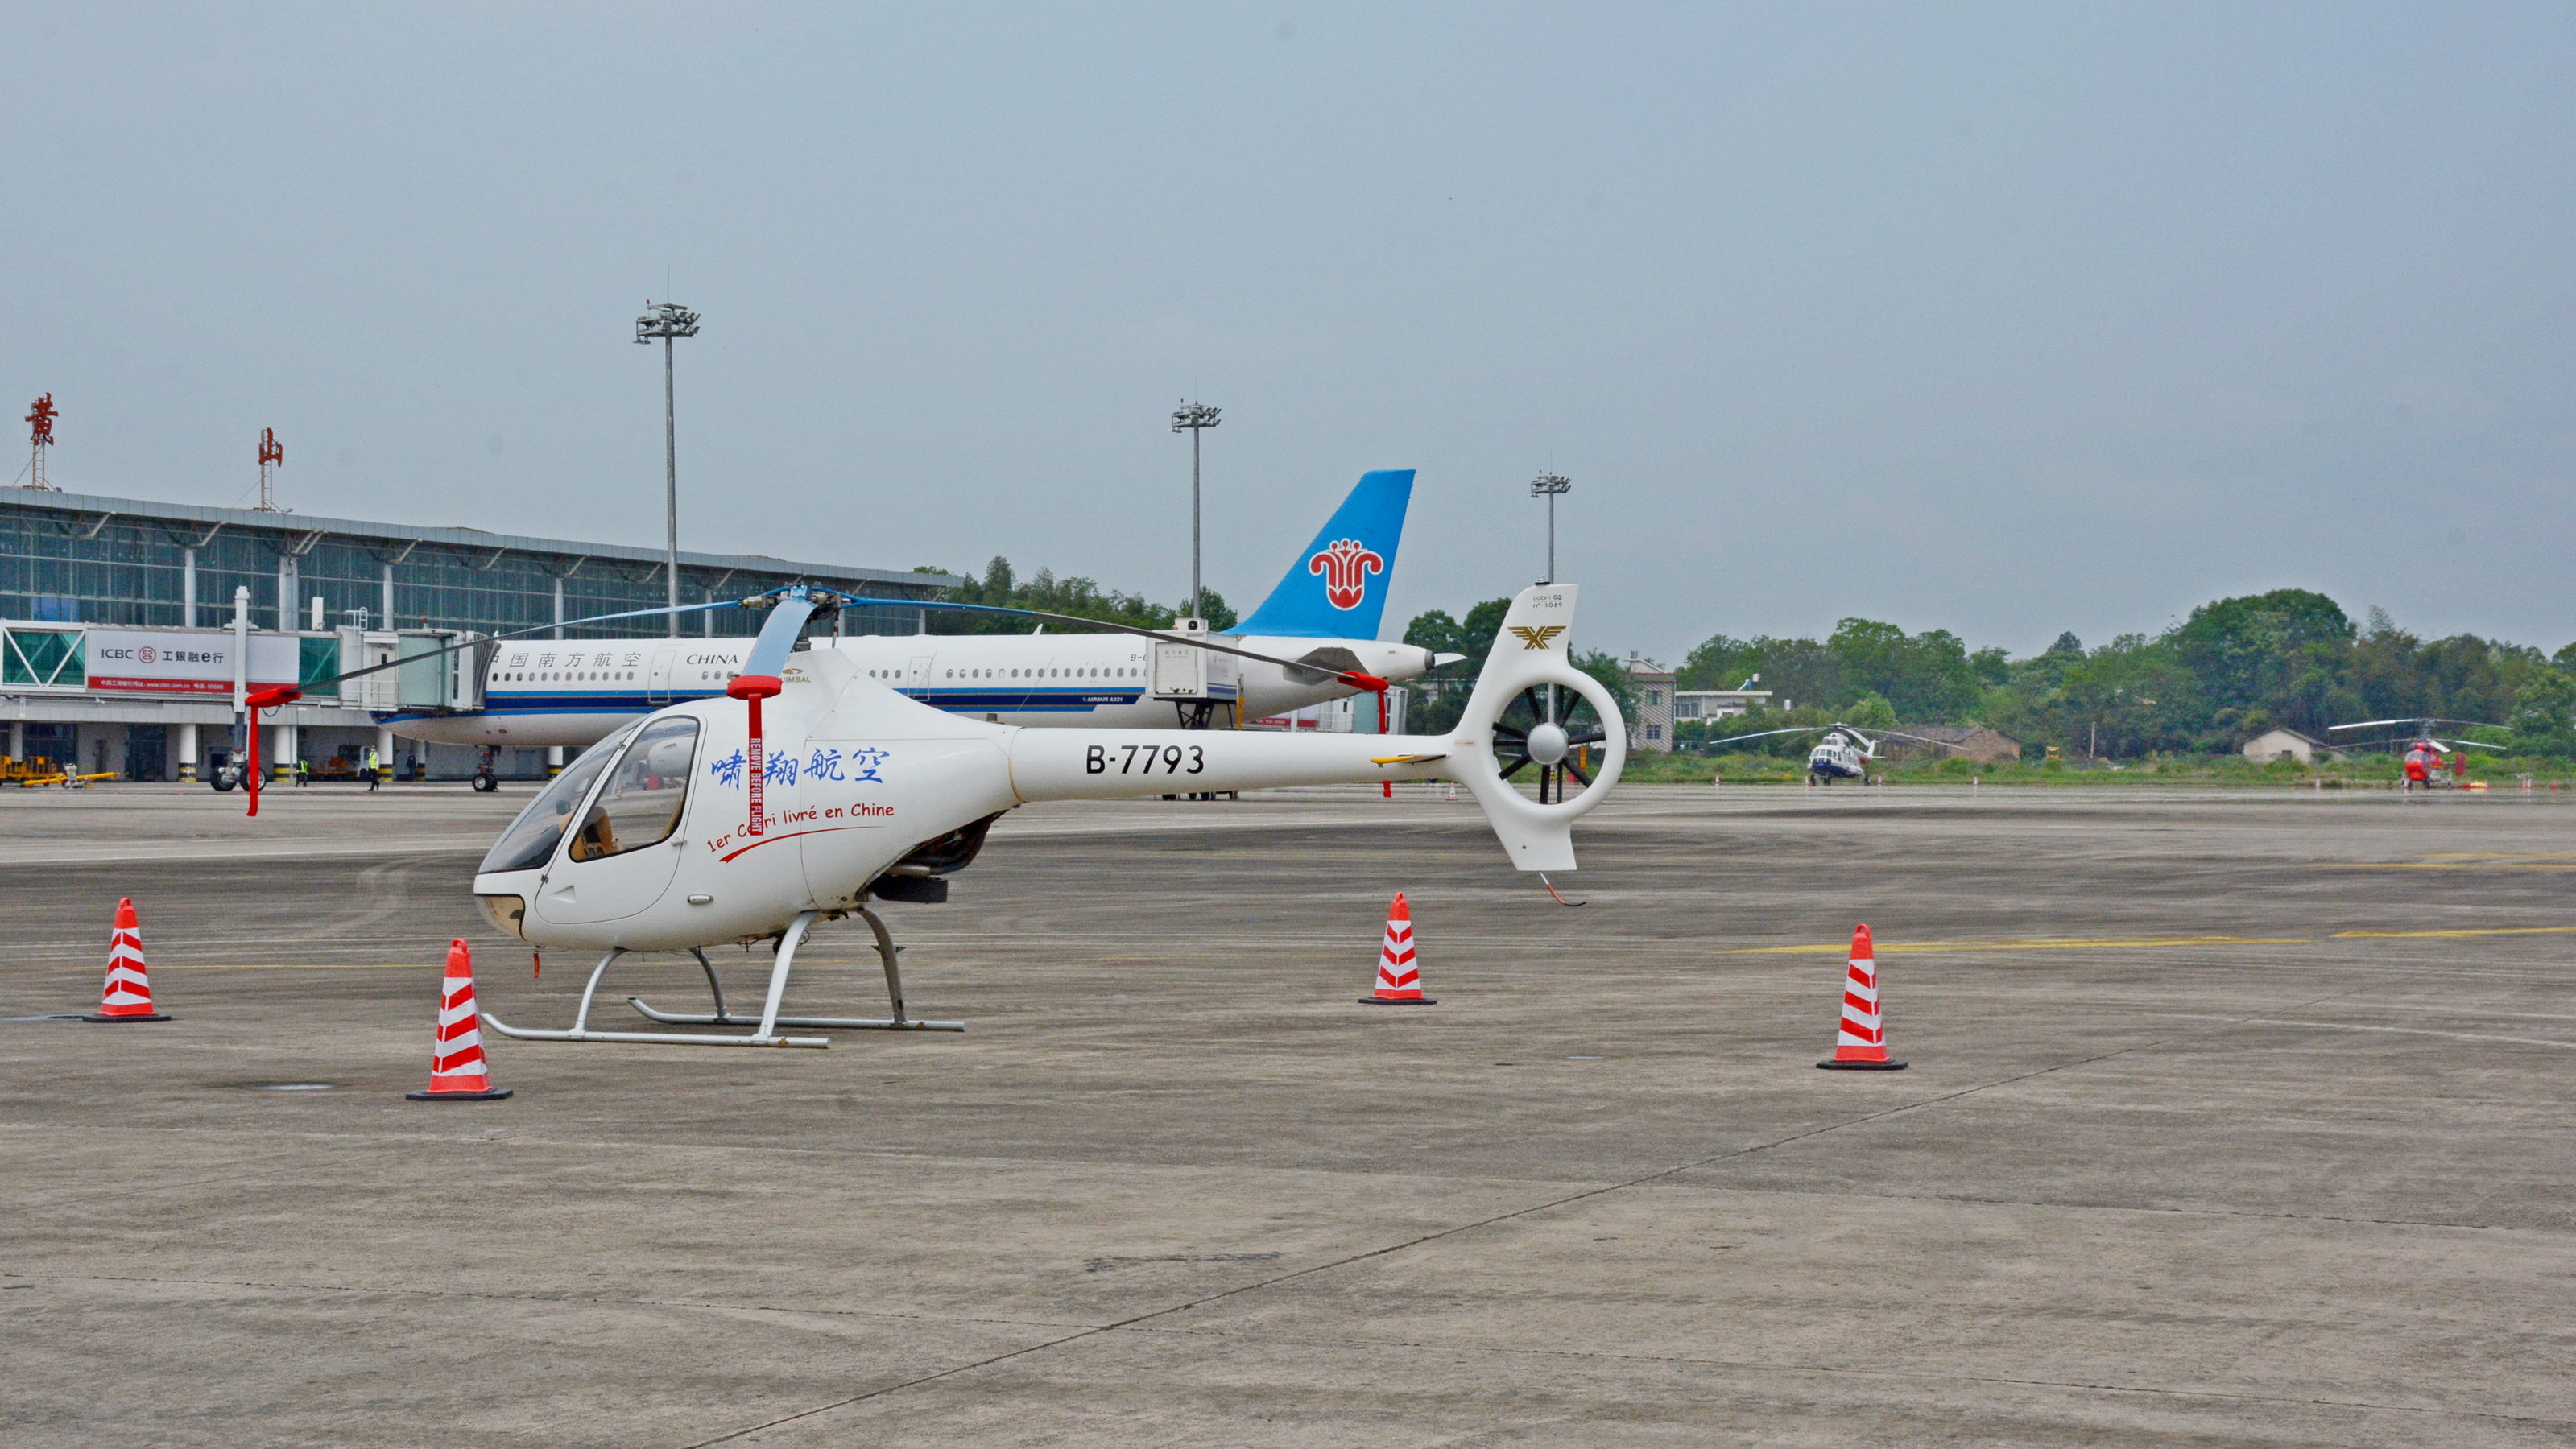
1861	1045
456	1070
1398	983
128	994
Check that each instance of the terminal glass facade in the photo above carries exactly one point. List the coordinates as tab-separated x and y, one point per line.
75	559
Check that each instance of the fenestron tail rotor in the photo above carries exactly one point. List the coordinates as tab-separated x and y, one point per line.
1552	728
1531	706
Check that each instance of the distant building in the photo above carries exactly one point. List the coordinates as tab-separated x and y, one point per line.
1691	704
1652	729
2280	744
113	611
1965	742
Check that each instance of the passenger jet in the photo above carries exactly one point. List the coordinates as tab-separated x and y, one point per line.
1325	612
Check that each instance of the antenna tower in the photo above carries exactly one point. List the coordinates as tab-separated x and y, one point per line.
40	420
271	453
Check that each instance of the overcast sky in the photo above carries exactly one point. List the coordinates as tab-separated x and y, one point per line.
2003	319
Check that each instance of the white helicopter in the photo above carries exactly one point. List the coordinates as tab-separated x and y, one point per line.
1843	754
814	788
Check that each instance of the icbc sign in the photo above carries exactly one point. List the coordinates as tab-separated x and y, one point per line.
145	661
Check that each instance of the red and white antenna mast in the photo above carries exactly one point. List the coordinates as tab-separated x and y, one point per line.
271	453
40	420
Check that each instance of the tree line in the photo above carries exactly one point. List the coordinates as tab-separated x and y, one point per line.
1001	586
2232	670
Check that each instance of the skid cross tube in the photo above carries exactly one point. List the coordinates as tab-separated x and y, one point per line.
766	1036
886	950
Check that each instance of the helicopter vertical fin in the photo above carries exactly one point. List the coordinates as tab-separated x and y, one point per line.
1533	648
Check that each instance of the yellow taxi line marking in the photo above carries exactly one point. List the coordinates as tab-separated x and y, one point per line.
2078	943
2477	931
2411	1031
2446	865
2116	943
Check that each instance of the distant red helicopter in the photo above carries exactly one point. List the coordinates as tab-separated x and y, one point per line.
2427	758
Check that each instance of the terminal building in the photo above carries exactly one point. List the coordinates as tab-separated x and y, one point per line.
118	619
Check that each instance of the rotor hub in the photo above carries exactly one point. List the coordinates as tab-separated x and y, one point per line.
1547	743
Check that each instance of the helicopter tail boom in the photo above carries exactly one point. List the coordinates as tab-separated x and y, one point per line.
1530	652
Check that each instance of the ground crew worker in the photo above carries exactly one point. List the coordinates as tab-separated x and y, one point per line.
373	777
303	776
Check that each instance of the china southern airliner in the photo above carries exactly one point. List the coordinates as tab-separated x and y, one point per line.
1325	611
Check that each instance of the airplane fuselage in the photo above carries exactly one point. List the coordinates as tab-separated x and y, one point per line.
576	692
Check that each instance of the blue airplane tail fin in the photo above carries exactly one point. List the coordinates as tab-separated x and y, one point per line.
1337	588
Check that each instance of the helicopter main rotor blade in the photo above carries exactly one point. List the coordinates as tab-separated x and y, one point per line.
2424	722
517	634
1357	680
1918	739
1762	734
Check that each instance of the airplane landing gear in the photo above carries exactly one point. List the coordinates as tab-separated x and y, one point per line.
484	780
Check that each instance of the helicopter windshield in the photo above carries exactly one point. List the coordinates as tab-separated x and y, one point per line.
531	838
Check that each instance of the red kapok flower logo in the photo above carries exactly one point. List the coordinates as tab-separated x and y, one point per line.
1346	566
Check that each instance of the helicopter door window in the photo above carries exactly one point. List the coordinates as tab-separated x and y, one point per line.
530	841
641	803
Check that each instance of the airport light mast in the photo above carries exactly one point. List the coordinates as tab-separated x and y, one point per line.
669	322
40	436
1551	486
271	454
1194	418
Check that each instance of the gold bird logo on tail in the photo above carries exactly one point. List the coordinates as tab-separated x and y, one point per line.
1537	638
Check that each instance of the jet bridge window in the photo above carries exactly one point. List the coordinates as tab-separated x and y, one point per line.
640	804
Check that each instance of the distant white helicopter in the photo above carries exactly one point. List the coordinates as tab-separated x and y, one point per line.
814	788
1843	754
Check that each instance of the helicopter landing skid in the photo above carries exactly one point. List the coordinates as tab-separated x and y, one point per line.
765	1036
894	993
